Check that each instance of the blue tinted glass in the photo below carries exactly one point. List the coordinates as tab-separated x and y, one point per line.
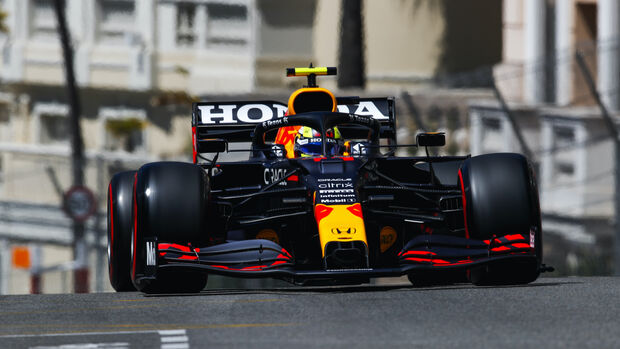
311	148
332	149
315	148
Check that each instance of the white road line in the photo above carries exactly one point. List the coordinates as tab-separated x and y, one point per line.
175	346
171	332
174	339
75	334
170	339
86	346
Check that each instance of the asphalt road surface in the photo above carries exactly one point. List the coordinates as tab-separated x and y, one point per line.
551	313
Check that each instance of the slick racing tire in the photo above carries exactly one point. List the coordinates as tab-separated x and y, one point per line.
170	205
501	198
120	193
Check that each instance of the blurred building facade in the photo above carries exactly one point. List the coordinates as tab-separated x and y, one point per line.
138	63
558	116
410	43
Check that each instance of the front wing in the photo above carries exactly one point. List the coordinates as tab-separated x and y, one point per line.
263	258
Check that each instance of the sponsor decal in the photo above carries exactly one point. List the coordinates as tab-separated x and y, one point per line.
364	108
150	253
335	185
268	234
215	114
227	113
359	119
334	191
387	238
303	141
320	180
278	122
271	175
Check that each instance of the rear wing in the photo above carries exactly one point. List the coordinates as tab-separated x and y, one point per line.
235	121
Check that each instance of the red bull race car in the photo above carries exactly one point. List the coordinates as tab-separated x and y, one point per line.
321	200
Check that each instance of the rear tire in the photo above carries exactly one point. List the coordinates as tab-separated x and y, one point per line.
171	206
501	198
120	193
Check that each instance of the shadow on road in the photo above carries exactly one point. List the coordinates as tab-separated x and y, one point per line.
360	289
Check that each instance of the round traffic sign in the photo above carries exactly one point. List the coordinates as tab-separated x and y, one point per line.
79	203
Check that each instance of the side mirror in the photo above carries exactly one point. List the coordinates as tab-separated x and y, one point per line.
212	145
431	139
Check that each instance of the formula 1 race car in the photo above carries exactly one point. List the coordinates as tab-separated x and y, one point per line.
322	200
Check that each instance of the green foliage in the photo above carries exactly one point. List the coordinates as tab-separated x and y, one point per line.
3	16
181	70
122	127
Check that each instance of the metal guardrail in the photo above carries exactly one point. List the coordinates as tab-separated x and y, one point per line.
42	223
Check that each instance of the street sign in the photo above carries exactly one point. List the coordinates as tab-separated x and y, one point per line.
21	257
79	203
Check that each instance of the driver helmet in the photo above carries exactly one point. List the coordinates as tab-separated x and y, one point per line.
308	142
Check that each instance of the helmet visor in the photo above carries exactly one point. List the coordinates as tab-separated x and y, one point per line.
315	148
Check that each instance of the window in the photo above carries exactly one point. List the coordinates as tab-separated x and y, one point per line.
51	123
124	135
493	124
213	24
54	129
43	25
186	31
4	114
493	138
1	173
564	153
116	21
124	129
5	123
227	25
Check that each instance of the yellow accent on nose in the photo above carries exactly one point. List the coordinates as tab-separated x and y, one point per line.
340	219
